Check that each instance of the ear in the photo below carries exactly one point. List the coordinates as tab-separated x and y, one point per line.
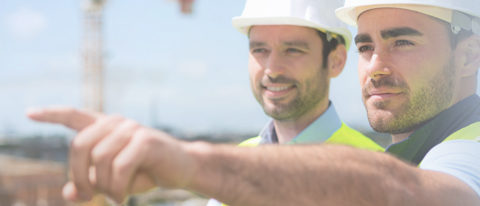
469	51
336	60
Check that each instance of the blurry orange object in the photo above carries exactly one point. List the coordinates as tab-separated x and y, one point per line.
98	200
186	6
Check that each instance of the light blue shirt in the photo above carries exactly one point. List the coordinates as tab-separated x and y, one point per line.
317	132
459	158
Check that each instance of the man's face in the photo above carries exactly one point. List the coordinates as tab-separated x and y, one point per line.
286	74
405	69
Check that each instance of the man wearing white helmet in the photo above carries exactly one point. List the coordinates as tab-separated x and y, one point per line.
418	65
295	48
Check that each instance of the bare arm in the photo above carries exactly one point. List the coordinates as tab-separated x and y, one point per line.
321	175
129	158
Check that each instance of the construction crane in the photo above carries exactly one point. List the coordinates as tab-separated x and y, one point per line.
92	52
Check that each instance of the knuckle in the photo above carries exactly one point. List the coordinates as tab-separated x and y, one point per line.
131	124
127	127
78	144
100	156
144	137
111	121
121	166
142	133
116	117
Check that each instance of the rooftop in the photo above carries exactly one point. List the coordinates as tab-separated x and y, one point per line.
17	166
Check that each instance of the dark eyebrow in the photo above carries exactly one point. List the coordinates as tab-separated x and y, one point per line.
256	44
402	31
301	44
363	38
296	44
387	34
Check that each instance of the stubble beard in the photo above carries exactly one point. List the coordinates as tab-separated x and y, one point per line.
418	108
316	91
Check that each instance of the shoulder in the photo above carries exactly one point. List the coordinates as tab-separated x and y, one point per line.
214	202
459	158
454	149
348	136
252	142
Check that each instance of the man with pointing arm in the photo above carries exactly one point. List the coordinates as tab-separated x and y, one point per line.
418	65
296	47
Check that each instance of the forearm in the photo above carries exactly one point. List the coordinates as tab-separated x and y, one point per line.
313	175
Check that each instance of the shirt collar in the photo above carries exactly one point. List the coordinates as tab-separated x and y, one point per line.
319	131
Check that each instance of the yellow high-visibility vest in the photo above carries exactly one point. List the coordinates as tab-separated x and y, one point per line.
344	136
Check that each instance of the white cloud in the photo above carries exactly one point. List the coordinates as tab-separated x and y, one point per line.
26	23
194	68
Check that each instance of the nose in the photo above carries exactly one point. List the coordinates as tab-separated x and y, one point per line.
275	66
378	67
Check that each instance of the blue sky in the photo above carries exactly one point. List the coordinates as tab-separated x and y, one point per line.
192	68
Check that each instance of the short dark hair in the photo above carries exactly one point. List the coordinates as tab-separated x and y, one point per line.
329	46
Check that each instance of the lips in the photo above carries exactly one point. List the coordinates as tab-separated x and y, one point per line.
384	87
373	93
277	91
382	94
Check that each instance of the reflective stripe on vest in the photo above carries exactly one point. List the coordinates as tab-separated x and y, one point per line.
471	132
348	136
252	142
344	136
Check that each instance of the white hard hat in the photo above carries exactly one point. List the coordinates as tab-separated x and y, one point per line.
452	11
318	14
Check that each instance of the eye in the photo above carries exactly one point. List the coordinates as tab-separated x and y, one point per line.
364	49
259	50
293	50
403	43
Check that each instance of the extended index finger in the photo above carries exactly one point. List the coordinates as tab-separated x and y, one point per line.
67	116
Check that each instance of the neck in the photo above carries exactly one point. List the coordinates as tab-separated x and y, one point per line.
400	137
466	88
288	129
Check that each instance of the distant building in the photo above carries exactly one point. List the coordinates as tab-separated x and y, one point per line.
43	148
26	182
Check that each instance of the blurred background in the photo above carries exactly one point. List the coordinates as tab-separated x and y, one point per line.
172	65
185	72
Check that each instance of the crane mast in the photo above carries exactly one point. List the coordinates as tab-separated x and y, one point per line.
93	54
93	65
